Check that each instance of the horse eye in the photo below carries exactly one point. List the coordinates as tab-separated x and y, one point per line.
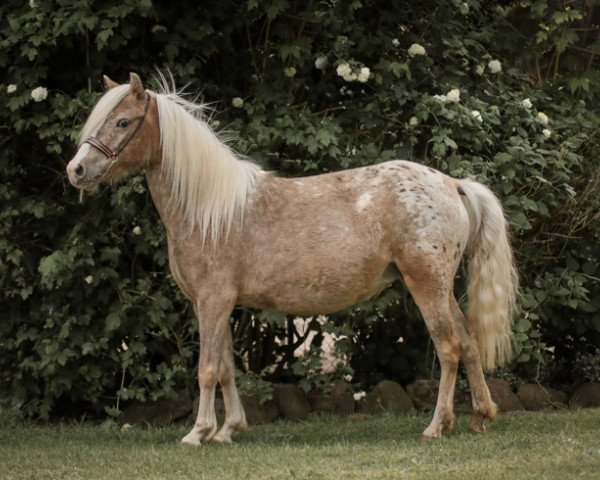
122	123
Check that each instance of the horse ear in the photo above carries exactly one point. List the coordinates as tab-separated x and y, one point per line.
108	83
136	86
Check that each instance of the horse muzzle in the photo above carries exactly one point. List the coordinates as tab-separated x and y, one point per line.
85	171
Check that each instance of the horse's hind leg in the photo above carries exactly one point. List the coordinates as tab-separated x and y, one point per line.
430	291
483	406
235	418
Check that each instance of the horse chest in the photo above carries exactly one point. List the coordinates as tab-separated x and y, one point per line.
187	268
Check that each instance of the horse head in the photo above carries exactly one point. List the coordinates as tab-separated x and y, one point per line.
117	137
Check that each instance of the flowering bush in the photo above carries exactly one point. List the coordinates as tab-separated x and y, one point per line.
91	317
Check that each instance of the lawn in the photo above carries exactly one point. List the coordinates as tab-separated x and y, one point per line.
525	445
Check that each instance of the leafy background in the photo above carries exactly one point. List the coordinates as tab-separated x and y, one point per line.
90	317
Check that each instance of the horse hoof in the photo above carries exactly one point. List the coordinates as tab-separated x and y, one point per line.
428	438
223	439
189	443
476	425
191	439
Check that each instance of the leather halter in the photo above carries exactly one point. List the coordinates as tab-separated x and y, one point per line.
114	156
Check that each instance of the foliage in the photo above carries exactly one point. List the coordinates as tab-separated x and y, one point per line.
91	317
588	366
561	43
250	383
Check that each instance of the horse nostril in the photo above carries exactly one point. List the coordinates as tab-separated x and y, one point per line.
79	171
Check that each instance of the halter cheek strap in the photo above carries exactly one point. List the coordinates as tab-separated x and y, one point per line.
114	156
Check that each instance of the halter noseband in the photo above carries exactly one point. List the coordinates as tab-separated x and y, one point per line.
114	156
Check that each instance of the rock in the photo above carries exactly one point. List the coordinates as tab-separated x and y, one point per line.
386	396
536	397
158	413
340	401
503	396
462	402
343	398
423	393
587	395
291	402
322	403
257	412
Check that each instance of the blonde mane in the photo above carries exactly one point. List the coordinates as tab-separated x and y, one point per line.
210	182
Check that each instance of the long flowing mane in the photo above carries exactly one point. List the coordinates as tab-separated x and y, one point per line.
210	182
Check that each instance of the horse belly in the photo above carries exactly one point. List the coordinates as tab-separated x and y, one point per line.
323	291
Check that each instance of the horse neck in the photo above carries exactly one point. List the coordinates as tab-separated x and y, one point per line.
196	181
160	186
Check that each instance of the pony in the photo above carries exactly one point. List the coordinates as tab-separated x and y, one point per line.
238	235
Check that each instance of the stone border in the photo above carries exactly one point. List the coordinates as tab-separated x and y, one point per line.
291	403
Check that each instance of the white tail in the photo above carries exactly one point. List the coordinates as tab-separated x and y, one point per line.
493	280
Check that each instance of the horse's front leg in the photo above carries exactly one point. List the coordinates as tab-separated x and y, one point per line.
235	418
213	319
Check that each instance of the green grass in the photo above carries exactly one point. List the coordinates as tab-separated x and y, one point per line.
525	445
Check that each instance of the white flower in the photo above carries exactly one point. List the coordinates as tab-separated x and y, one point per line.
495	66
343	70
358	395
32	4
289	72
348	378
416	49
546	133
453	95
11	88
413	121
321	62
527	103
364	74
502	11
395	42
237	102
137	230
124	346
479	69
89	279
477	115
543	118
464	8
38	94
